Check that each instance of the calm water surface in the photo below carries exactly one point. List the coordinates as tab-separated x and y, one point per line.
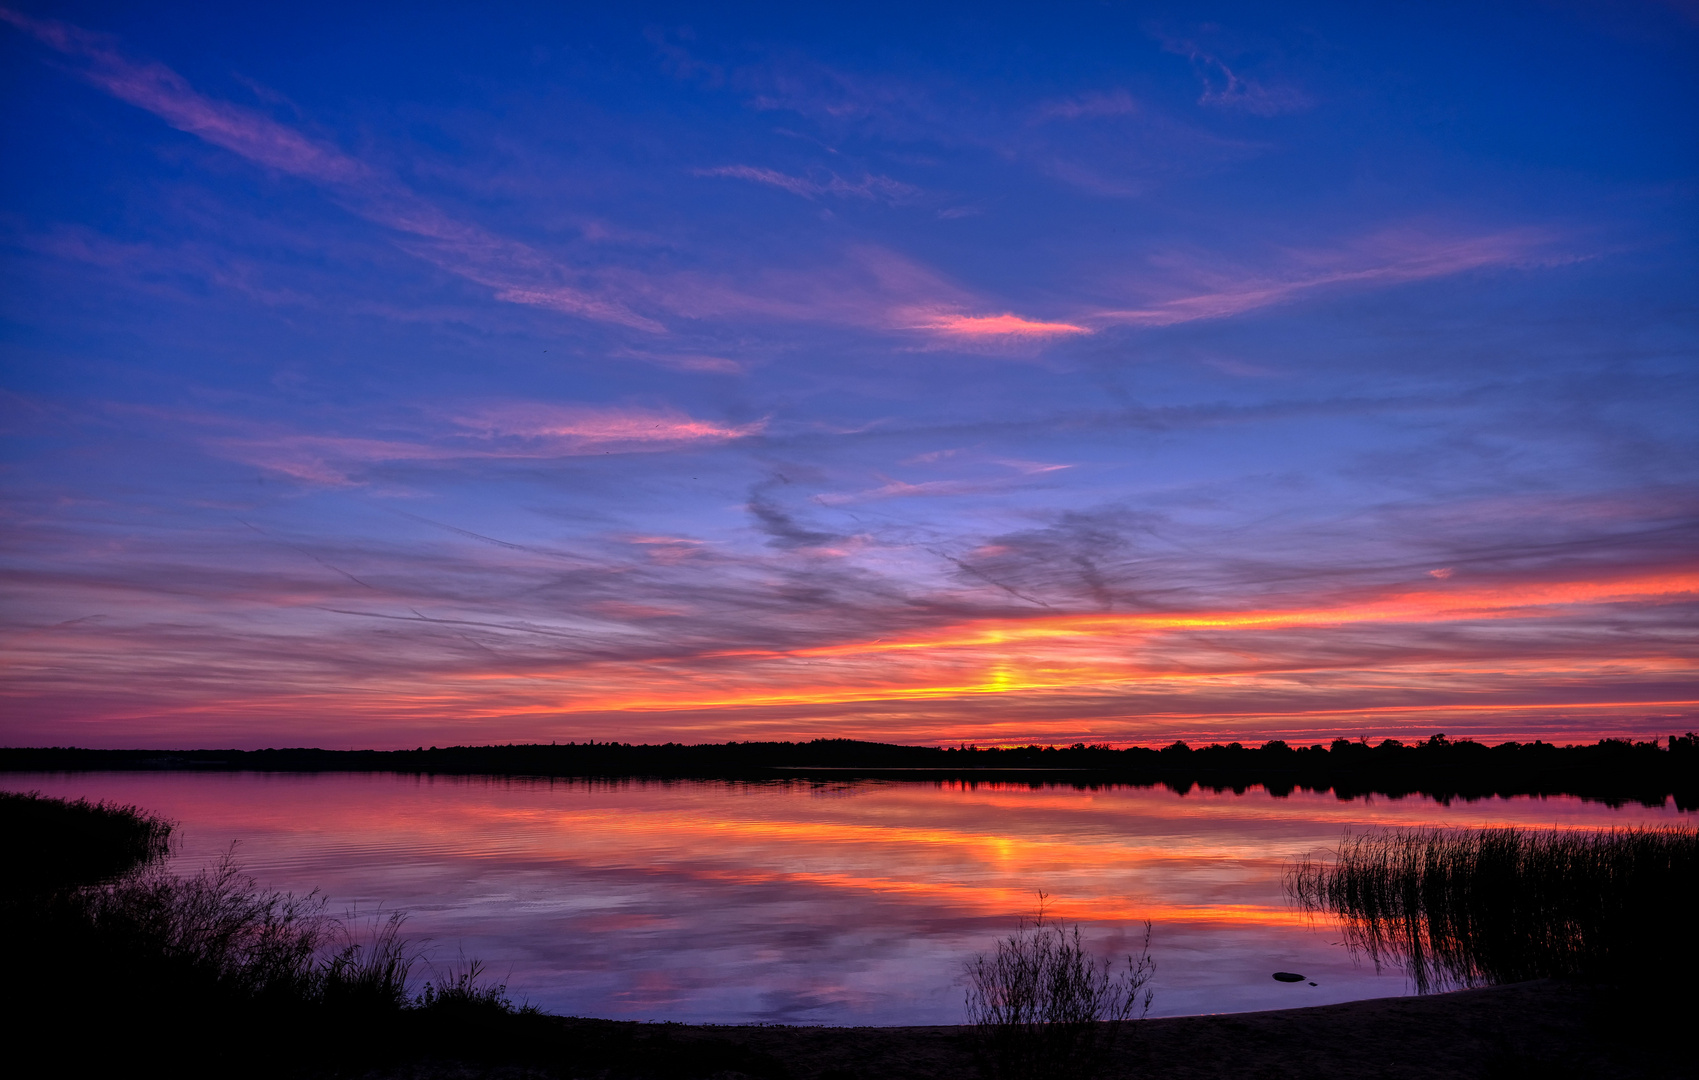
801	903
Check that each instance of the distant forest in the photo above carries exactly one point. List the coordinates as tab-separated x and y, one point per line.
1612	771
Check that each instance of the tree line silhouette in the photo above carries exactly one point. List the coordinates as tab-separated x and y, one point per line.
1613	771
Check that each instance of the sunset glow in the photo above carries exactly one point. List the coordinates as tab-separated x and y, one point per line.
1114	377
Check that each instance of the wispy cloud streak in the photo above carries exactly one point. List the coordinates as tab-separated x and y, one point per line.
868	187
1224	88
518	432
1385	258
516	272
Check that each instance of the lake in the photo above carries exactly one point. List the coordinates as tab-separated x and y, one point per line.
804	903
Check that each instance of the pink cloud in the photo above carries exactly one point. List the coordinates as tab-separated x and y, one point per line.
1030	468
1089	179
564	299
868	187
516	431
871	287
796	185
580	430
669	550
620	609
1005	325
1225	88
320	459
1388	258
1089	106
697	362
874	288
166	94
898	489
882	290
932	457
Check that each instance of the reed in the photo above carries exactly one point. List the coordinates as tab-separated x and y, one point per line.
1462	908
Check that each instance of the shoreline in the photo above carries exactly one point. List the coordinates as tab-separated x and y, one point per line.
323	1015
1541	1028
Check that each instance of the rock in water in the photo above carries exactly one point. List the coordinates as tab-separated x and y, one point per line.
1287	976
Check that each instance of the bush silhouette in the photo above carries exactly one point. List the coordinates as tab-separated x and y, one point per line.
1042	1005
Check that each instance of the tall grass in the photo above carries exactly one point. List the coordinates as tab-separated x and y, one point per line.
462	990
218	934
1461	908
53	844
1042	1005
92	873
105	938
368	967
221	933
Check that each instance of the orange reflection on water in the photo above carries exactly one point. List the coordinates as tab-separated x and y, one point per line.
851	903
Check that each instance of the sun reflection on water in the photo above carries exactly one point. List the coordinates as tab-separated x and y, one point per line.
797	902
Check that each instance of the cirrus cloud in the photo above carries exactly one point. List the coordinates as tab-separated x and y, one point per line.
519	430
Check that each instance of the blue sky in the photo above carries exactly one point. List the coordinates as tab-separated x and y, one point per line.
438	375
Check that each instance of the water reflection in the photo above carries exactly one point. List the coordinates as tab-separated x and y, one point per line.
705	901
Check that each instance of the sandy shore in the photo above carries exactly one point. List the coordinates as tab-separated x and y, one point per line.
1536	1029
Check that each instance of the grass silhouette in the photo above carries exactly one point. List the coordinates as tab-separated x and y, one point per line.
1461	908
57	844
116	942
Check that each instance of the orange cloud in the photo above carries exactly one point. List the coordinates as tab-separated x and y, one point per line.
1428	605
1499	660
1180	666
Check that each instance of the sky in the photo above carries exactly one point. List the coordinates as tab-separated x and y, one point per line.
429	374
